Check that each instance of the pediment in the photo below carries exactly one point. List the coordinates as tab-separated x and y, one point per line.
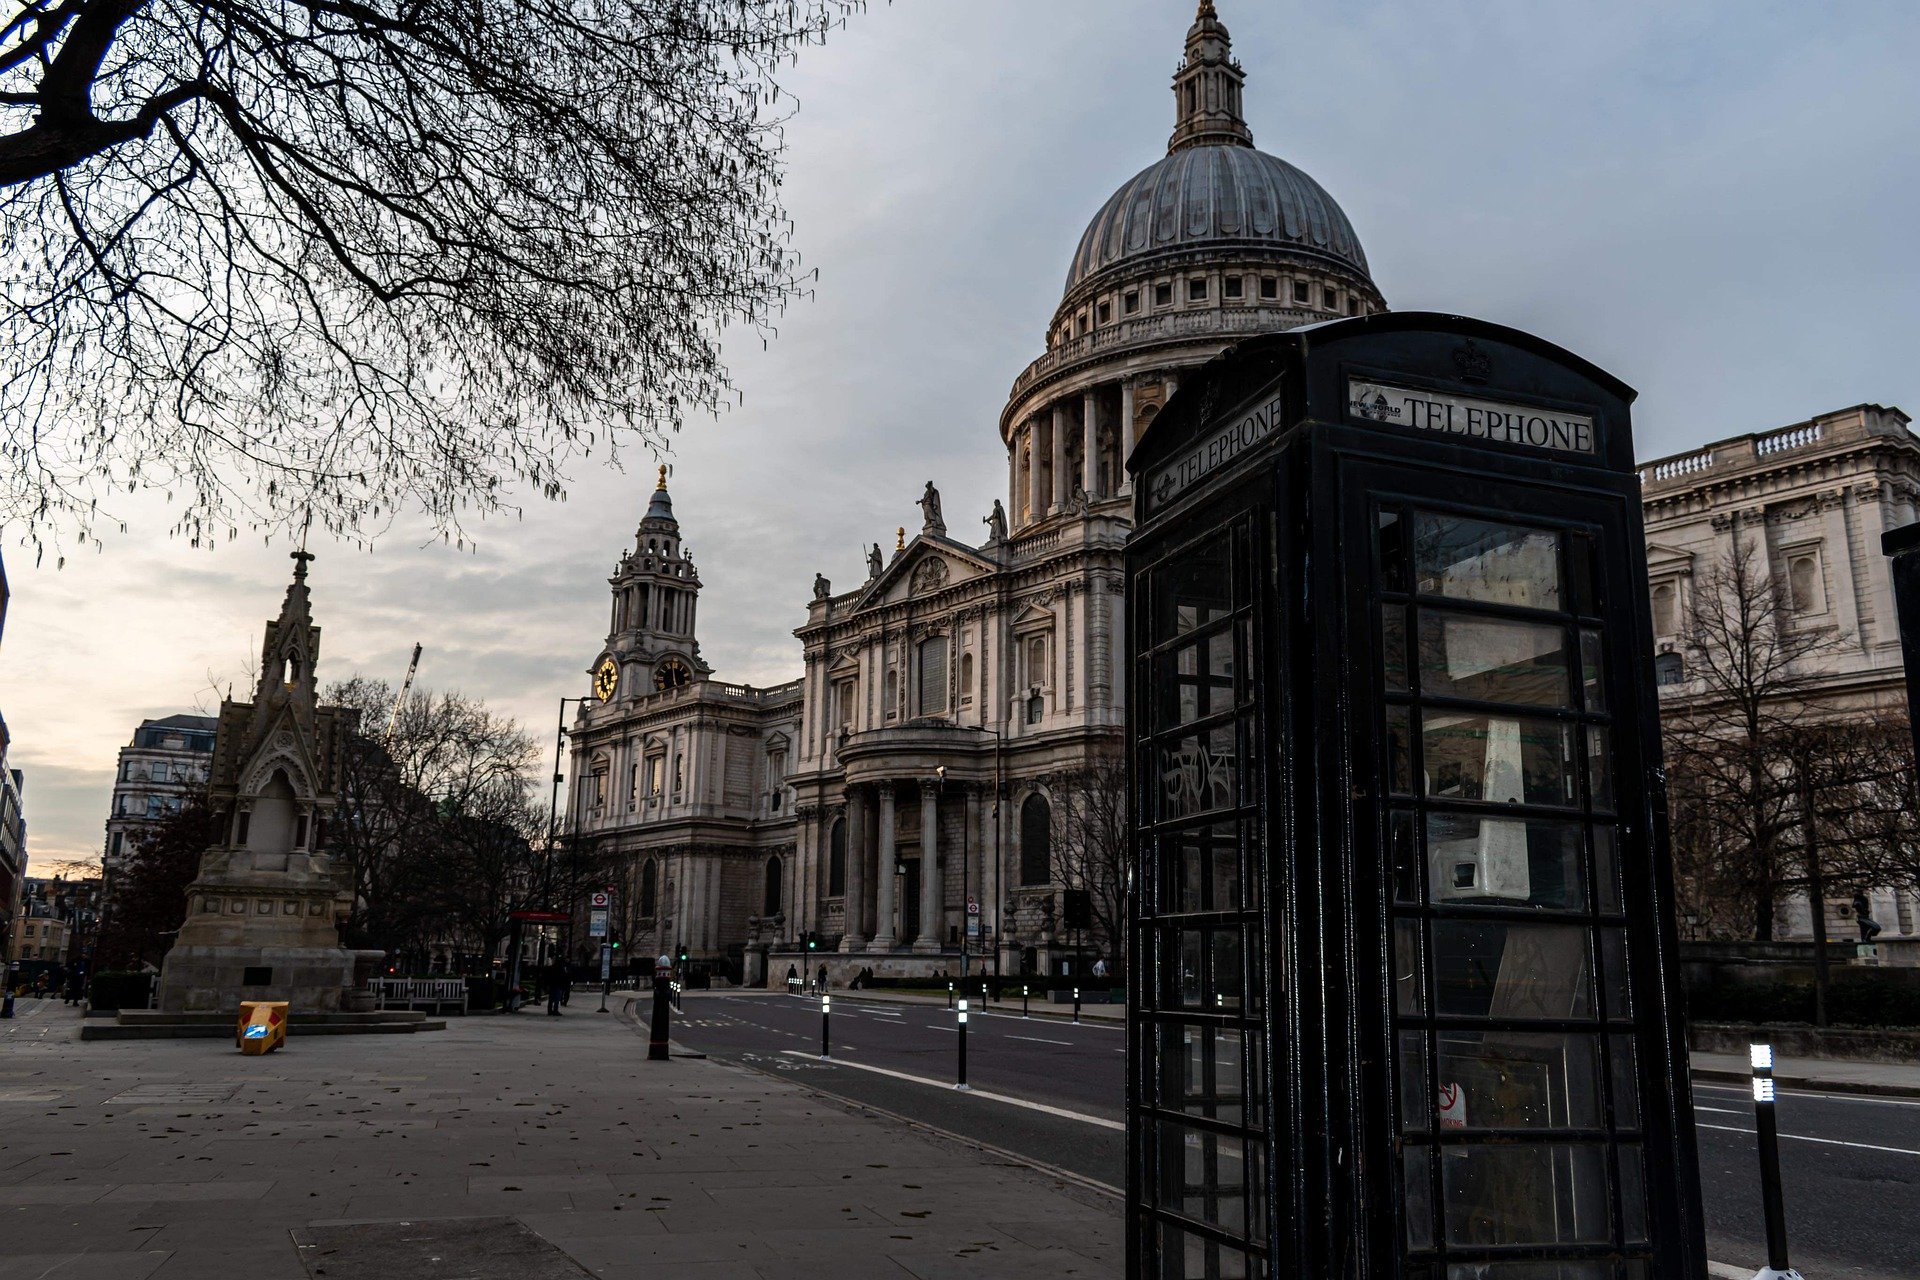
282	742
1032	617
929	565
1661	556
845	666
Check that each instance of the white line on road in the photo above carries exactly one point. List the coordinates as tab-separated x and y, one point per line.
1044	1040
1825	1142
1062	1112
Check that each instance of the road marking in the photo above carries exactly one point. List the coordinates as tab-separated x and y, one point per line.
1825	1142
1062	1112
1725	1111
1044	1040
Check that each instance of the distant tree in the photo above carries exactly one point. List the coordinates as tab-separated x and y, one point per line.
300	259
419	810
1091	840
148	892
1750	665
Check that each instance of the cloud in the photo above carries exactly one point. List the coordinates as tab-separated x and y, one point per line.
1709	200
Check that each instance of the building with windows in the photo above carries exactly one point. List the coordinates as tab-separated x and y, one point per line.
56	925
13	822
1810	502
158	771
906	791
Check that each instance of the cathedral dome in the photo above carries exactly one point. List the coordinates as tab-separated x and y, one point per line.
1215	198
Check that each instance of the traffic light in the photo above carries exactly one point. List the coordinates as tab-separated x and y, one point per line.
616	946
813	942
683	955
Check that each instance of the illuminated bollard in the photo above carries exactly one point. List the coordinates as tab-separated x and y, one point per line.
826	1006
1765	1122
962	1083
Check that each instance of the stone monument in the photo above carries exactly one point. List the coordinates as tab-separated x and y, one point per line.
263	914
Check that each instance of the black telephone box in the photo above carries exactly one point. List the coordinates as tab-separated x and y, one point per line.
1403	914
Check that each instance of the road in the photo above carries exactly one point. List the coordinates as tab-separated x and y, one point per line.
1050	1091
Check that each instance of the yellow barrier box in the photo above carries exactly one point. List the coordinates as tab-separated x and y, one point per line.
263	1026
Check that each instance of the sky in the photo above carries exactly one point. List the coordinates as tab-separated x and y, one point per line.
1714	201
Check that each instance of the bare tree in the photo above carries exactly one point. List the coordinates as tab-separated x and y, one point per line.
426	813
1092	837
1750	664
314	260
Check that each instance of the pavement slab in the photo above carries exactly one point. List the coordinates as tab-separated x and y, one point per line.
505	1147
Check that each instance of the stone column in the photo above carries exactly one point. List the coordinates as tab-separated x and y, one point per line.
884	937
932	918
1125	436
1036	508
1059	477
854	904
1090	444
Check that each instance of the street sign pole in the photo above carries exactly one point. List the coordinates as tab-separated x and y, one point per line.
606	974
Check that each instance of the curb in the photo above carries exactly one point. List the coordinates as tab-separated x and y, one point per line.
1812	1084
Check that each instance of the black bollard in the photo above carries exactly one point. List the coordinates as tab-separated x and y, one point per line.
1076	1004
826	1005
1025	991
662	1016
949	995
962	1083
6	1004
1764	1120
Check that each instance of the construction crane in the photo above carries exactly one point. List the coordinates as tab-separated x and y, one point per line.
406	686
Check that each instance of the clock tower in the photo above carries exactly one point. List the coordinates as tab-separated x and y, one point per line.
650	646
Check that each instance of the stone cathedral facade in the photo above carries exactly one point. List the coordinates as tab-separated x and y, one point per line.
902	794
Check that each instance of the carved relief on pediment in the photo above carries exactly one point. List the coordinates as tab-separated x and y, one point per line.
929	575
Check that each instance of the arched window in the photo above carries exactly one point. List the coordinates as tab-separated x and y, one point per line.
649	889
837	859
966	679
1803	583
1036	840
1669	668
1665	612
933	675
770	906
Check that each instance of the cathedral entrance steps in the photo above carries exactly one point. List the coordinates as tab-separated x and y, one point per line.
149	1024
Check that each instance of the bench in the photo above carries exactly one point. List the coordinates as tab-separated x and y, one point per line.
407	993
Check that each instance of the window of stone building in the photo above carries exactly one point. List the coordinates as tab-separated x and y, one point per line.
649	889
1269	288
1330	299
1353	306
599	788
889	693
1669	668
1131	303
1666	608
117	837
1197	290
837	859
1804	588
966	679
844	693
1080	323
1300	292
679	773
1036	840
1233	287
1103	313
933	675
776	779
656	775
1036	660
1163	294
770	902
1036	708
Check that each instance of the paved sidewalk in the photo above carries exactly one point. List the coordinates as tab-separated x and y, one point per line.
521	1147
1823	1075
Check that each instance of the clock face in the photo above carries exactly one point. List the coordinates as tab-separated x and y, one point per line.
672	674
606	679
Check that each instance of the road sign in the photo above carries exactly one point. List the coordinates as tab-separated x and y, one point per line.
539	917
606	962
597	922
973	926
601	900
973	905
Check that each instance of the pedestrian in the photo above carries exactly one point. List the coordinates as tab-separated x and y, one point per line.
1100	968
793	977
555	974
823	978
76	984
